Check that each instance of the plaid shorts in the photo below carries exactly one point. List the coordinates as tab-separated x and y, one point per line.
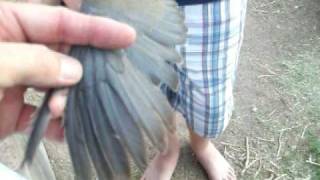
211	54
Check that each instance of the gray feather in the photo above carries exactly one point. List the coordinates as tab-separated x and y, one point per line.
40	125
76	140
108	139
125	84
115	104
153	66
101	165
124	124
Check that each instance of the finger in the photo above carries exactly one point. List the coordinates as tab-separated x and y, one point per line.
41	89
36	65
63	48
55	130
25	117
58	102
54	47
10	108
73	4
48	2
44	24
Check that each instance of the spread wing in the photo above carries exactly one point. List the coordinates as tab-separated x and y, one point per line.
119	99
160	26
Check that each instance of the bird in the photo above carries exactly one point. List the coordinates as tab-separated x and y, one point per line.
119	100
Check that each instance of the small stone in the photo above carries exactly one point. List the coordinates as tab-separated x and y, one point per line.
254	109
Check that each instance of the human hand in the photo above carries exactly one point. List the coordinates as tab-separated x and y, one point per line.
32	41
72	4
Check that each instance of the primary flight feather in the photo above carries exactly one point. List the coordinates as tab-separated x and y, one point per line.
119	100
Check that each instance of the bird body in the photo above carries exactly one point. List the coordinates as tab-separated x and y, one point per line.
118	100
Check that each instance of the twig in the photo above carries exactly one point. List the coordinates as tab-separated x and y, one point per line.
230	147
248	152
229	144
242	158
264	66
263	121
271	177
234	160
267	140
270	114
259	169
287	104
272	174
246	164
289	128
279	144
254	152
235	149
249	165
274	164
265	75
304	130
281	176
267	4
225	150
259	11
230	156
313	163
310	161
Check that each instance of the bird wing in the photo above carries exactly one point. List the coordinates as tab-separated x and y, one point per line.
160	27
119	99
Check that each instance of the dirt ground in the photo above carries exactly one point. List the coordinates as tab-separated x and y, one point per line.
276	112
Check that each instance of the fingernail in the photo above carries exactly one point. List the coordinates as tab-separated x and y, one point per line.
61	101
71	70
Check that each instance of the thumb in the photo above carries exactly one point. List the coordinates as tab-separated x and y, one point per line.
47	2
36	65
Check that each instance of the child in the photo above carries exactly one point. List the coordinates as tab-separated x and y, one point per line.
205	99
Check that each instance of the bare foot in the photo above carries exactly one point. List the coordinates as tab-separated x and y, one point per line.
164	163
211	159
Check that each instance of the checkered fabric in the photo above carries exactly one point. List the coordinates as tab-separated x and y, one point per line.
211	54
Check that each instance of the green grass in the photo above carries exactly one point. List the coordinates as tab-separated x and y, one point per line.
300	83
314	146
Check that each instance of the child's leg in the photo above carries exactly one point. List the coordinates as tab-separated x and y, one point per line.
163	164
211	56
211	159
205	97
